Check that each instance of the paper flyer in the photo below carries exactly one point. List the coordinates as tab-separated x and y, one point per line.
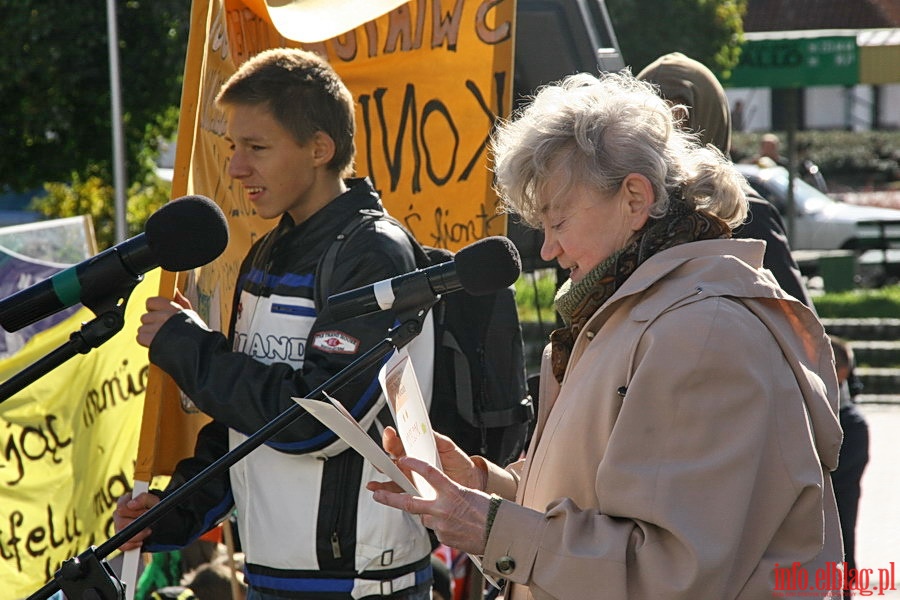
404	398
334	416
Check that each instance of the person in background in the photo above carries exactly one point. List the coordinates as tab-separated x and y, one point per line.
737	114
854	455
308	528
662	466
172	592
770	155
167	569
213	581
689	84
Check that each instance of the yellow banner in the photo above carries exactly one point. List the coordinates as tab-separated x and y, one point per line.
68	445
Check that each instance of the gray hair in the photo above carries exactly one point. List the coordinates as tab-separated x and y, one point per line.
596	131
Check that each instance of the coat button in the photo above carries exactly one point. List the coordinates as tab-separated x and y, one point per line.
590	335
506	565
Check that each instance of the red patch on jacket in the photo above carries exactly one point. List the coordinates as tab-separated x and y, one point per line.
335	342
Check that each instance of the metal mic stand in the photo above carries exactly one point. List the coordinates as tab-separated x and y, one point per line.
92	334
88	576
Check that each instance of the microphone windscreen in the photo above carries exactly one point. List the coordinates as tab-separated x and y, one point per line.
187	233
488	265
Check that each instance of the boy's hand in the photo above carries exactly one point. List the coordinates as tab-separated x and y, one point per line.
127	510
159	310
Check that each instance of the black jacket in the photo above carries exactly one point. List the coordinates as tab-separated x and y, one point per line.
303	512
764	223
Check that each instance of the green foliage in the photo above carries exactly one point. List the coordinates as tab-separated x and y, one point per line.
860	304
534	293
143	200
55	109
709	31
89	196
92	196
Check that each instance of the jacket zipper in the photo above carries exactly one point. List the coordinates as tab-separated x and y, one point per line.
335	536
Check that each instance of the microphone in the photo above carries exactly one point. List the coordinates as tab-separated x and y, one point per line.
481	268
184	234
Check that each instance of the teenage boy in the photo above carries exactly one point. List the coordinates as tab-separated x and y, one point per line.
308	528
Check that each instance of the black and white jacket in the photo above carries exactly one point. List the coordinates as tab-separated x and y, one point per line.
307	525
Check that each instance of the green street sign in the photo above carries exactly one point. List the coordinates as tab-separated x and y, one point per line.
797	62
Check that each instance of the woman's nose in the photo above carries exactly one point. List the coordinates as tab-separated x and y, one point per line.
549	249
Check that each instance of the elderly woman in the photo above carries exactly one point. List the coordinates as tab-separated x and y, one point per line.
687	409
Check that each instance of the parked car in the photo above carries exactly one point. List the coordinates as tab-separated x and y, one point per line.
820	221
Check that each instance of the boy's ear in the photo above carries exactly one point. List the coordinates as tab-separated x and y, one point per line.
323	148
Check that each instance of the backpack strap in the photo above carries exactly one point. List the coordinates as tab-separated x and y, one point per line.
423	257
325	266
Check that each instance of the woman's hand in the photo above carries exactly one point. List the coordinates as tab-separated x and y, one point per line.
455	463
457	515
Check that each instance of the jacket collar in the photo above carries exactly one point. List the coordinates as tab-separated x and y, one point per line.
331	218
703	268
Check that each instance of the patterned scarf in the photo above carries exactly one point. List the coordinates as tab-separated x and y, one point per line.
577	302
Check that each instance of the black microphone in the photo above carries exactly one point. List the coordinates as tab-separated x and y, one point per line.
481	268
184	234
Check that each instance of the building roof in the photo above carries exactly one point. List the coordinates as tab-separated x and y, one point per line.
785	15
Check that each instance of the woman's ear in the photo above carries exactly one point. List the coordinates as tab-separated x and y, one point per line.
323	148
638	198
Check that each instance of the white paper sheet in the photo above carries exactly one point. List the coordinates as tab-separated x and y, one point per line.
404	398
335	417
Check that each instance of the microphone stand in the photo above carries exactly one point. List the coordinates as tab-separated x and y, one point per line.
92	334
109	321
88	576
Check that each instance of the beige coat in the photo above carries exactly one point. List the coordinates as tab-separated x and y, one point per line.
688	449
